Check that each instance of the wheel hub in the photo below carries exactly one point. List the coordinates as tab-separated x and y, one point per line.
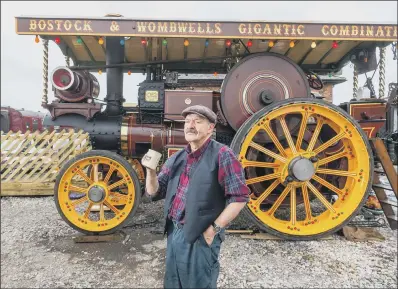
301	169
96	194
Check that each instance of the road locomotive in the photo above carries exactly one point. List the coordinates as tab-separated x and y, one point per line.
307	161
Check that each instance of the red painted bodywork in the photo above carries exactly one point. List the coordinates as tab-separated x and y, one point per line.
21	120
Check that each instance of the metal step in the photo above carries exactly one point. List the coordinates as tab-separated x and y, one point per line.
393	217
381	186
392	221
389	202
387	205
379	148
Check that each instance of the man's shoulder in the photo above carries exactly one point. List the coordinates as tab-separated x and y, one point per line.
220	146
224	151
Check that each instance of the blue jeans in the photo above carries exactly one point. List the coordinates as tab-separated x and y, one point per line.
191	265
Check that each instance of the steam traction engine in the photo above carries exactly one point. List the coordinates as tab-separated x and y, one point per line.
308	162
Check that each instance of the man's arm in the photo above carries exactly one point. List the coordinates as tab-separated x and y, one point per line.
229	214
151	182
231	177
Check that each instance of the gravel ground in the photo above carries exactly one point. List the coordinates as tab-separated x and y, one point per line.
37	251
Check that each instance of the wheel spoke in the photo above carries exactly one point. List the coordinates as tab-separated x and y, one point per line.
78	189
118	195
336	172
79	201
332	158
279	201
84	176
315	135
88	210
95	172
293	206
327	144
108	175
273	137
287	134
102	213
246	163
302	130
320	197
266	193
328	185
117	184
267	152
262	178
110	206
118	199
307	205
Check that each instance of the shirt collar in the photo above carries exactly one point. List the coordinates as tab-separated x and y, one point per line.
199	151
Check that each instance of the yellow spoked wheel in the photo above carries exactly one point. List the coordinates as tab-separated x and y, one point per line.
309	166
97	192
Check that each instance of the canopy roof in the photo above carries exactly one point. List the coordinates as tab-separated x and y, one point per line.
162	41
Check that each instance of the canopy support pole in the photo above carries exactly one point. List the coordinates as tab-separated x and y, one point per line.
355	85
382	72
44	99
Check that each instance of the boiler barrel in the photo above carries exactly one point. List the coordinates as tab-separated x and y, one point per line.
137	138
124	135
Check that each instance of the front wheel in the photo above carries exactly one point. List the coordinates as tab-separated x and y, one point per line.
97	192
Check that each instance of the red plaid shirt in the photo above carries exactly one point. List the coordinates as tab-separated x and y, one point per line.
230	176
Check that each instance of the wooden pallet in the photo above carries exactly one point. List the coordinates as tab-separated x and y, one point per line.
31	161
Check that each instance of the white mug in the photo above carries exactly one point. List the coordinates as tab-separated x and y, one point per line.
151	159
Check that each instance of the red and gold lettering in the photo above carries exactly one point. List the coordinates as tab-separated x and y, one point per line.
218	28
242	28
67	25
192	28
58	22
77	28
354	30
287	28
32	25
173	27
325	30
257	28
380	32
333	30
50	26
344	31
152	27
208	30
299	30
162	27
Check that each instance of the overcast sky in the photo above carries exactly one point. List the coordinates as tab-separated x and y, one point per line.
21	57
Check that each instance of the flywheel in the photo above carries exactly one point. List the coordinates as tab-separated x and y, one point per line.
97	192
259	80
311	182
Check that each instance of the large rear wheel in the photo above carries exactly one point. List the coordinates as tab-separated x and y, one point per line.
97	192
309	166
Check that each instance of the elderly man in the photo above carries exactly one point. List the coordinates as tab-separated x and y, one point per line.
204	190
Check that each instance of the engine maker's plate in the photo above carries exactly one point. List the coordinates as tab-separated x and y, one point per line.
258	80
